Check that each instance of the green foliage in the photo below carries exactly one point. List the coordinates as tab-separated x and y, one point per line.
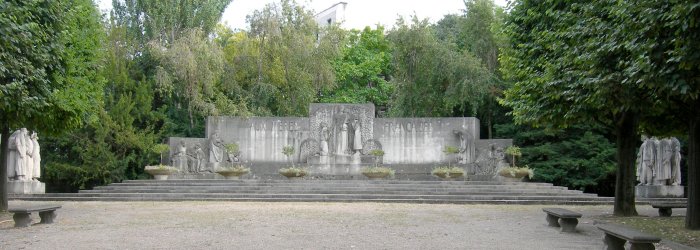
160	148
288	150
231	147
447	171
377	152
431	76
578	157
449	150
362	68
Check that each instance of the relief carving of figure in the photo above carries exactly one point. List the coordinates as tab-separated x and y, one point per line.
325	135
466	150
343	139
199	158
357	137
180	157
216	148
28	160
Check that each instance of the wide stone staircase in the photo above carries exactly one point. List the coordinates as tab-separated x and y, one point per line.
453	192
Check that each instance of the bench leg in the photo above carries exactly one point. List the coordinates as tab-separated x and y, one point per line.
568	225
552	220
613	243
22	219
642	246
47	217
665	212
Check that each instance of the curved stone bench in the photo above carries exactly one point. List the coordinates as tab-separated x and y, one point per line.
616	236
559	217
47	213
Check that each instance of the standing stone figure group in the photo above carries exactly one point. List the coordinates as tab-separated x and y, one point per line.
659	161
24	159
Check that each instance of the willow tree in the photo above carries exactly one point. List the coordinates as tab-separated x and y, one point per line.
431	76
188	72
294	56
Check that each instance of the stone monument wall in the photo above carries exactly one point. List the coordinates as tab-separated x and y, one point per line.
260	139
421	140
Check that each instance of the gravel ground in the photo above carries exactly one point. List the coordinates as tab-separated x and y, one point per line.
252	225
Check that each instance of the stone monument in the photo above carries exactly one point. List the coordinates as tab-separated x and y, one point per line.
658	168
24	164
335	142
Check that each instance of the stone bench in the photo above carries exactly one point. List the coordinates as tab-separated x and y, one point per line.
46	213
616	236
665	208
559	217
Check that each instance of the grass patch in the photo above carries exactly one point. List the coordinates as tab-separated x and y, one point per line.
670	228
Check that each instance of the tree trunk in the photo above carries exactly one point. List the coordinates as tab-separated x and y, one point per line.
3	166
626	143
692	214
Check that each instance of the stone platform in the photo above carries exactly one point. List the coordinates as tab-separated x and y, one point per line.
26	187
658	191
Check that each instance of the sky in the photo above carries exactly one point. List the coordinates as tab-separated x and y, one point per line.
358	13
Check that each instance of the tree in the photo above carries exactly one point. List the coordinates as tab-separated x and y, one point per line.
431	77
569	66
362	69
294	57
50	52
664	36
189	70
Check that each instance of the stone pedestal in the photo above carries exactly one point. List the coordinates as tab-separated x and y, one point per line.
657	191
26	187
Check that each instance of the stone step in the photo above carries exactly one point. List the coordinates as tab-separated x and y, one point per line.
287	185
332	191
325	196
327	187
336	182
323	199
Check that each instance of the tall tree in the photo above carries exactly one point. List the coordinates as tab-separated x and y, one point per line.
49	51
570	65
664	35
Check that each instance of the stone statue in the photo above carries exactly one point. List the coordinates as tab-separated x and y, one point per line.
658	162
36	157
29	160
20	145
179	159
647	155
16	156
357	137
676	162
325	135
199	158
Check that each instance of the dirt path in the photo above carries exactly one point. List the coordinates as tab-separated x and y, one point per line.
243	225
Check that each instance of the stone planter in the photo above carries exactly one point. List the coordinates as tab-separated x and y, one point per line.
451	176
232	173
160	172
375	175
293	173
